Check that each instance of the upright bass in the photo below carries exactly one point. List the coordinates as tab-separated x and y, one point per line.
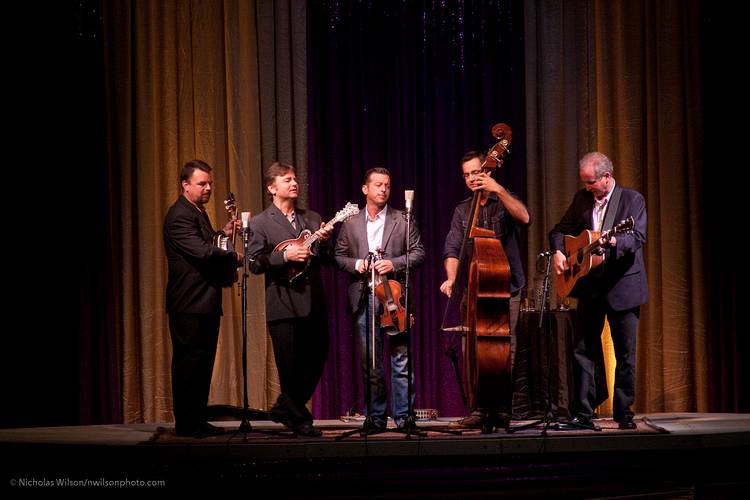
486	315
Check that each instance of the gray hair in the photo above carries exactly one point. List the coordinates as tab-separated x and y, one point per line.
599	161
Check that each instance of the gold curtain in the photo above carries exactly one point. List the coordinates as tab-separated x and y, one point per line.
219	81
623	78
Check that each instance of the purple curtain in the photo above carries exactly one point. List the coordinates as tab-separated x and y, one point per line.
409	86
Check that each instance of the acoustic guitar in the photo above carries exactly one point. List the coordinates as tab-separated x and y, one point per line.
585	252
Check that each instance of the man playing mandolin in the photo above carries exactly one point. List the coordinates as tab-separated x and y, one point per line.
379	229
295	312
614	290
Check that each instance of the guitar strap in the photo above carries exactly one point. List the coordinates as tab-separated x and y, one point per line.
614	204
609	217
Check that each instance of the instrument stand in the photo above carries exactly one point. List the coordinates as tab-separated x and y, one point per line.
368	427
548	418
410	426
245	425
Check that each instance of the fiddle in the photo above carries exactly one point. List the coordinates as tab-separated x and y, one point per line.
393	319
388	292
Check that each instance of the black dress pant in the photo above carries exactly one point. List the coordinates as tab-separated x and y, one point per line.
589	370
300	348
194	339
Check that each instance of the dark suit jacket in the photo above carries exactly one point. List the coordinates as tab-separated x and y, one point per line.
351	245
284	301
622	276
197	269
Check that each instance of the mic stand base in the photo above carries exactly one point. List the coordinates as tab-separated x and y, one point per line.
410	428
368	429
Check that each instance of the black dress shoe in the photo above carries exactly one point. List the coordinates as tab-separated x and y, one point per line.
626	423
202	431
578	423
307	430
212	430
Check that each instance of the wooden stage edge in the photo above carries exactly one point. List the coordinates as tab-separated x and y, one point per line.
676	455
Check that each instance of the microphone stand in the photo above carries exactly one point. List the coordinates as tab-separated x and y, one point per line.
245	425
410	426
548	418
368	427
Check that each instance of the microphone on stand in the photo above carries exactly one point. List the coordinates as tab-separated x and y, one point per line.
541	261
245	216
245	223
409	197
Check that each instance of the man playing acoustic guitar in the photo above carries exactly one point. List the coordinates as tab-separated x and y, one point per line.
615	289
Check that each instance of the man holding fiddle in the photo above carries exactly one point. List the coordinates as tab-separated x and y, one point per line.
379	229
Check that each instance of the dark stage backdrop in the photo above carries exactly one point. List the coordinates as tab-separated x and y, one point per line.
410	88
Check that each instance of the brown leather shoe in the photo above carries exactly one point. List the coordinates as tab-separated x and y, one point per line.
473	421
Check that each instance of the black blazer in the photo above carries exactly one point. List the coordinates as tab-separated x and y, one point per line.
352	245
197	269
284	301
623	275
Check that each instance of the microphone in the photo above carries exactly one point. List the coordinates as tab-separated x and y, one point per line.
544	254
409	197
245	221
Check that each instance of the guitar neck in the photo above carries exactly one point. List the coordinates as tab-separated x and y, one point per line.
606	235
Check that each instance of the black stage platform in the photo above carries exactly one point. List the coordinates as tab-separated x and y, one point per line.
676	455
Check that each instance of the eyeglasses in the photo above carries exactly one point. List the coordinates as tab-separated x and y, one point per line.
473	173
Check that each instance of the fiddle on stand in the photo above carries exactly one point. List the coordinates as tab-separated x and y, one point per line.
368	427
245	425
548	418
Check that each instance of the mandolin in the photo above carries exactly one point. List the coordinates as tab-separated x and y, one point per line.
306	239
220	239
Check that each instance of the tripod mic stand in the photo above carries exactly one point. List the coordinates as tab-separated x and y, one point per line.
368	427
548	418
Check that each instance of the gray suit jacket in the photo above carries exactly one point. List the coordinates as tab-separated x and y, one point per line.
284	301
351	245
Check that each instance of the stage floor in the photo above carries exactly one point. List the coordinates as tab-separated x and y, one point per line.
674	455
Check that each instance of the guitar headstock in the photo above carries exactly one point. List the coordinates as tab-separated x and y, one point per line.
624	225
350	210
231	206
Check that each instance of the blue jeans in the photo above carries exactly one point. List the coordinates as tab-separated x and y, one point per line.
399	358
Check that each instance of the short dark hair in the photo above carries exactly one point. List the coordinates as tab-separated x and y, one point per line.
470	155
187	170
374	170
274	170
